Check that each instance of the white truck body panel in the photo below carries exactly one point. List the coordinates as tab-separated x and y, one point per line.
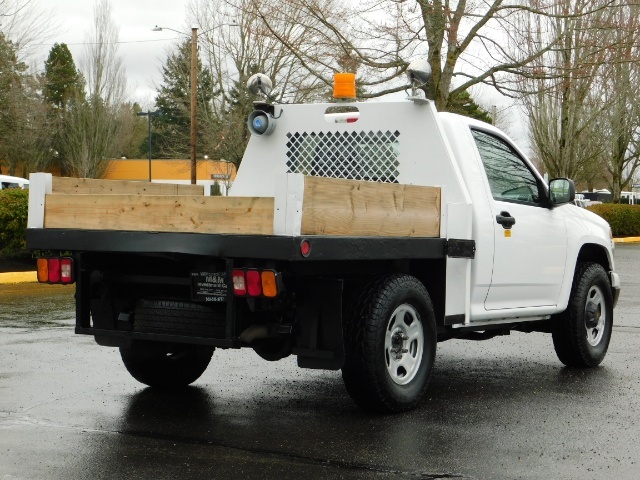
521	274
423	154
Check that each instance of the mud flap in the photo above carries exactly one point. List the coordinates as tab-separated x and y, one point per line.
320	343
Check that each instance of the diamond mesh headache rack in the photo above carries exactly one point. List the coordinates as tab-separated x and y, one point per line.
353	155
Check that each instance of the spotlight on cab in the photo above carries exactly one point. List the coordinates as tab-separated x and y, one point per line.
261	123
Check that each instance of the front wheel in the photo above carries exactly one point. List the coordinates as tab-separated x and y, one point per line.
390	344
166	365
581	334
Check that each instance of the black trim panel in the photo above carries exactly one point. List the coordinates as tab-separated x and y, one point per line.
237	246
461	248
454	319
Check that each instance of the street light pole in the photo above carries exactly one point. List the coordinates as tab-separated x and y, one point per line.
149	114
194	96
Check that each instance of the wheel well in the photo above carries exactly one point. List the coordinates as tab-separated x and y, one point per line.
594	253
432	274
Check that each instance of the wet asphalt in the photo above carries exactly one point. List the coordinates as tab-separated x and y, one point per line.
501	409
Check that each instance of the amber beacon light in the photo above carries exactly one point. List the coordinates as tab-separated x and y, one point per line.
344	85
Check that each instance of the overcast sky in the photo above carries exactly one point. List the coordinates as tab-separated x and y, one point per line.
142	50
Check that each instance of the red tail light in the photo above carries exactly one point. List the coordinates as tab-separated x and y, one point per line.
254	283
54	270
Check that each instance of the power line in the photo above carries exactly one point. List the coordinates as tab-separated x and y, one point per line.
108	43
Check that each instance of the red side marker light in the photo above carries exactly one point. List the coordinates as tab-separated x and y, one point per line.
305	248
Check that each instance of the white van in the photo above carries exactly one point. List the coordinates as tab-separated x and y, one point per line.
7	181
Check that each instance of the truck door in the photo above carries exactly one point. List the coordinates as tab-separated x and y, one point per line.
530	239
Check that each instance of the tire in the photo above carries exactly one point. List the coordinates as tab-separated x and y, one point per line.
175	317
166	365
581	334
390	344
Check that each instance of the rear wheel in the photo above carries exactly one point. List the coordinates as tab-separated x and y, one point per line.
581	334
166	365
390	344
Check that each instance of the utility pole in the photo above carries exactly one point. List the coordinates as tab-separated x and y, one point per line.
194	84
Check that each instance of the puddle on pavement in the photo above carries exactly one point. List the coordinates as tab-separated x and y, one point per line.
33	305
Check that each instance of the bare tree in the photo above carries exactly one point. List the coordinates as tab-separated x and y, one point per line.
93	121
561	101
620	91
583	111
234	53
466	43
26	23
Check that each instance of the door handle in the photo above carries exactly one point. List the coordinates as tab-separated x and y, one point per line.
506	220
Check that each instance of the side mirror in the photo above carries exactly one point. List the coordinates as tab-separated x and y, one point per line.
561	191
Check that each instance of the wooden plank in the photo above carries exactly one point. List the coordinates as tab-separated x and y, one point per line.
239	215
92	186
358	208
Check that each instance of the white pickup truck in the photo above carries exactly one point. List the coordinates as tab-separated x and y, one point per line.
355	241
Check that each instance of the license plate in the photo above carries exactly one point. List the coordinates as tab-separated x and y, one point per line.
209	286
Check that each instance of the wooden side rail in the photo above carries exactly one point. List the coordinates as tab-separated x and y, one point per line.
333	206
302	205
161	213
330	206
91	186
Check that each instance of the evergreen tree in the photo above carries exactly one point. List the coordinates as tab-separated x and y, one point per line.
62	77
172	127
462	104
215	191
12	94
63	86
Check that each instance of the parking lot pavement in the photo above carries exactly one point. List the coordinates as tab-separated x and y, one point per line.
501	409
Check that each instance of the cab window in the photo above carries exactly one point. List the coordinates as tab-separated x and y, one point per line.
510	179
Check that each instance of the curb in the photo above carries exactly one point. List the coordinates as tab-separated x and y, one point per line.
627	240
18	277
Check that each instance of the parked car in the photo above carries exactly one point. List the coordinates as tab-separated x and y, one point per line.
7	181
